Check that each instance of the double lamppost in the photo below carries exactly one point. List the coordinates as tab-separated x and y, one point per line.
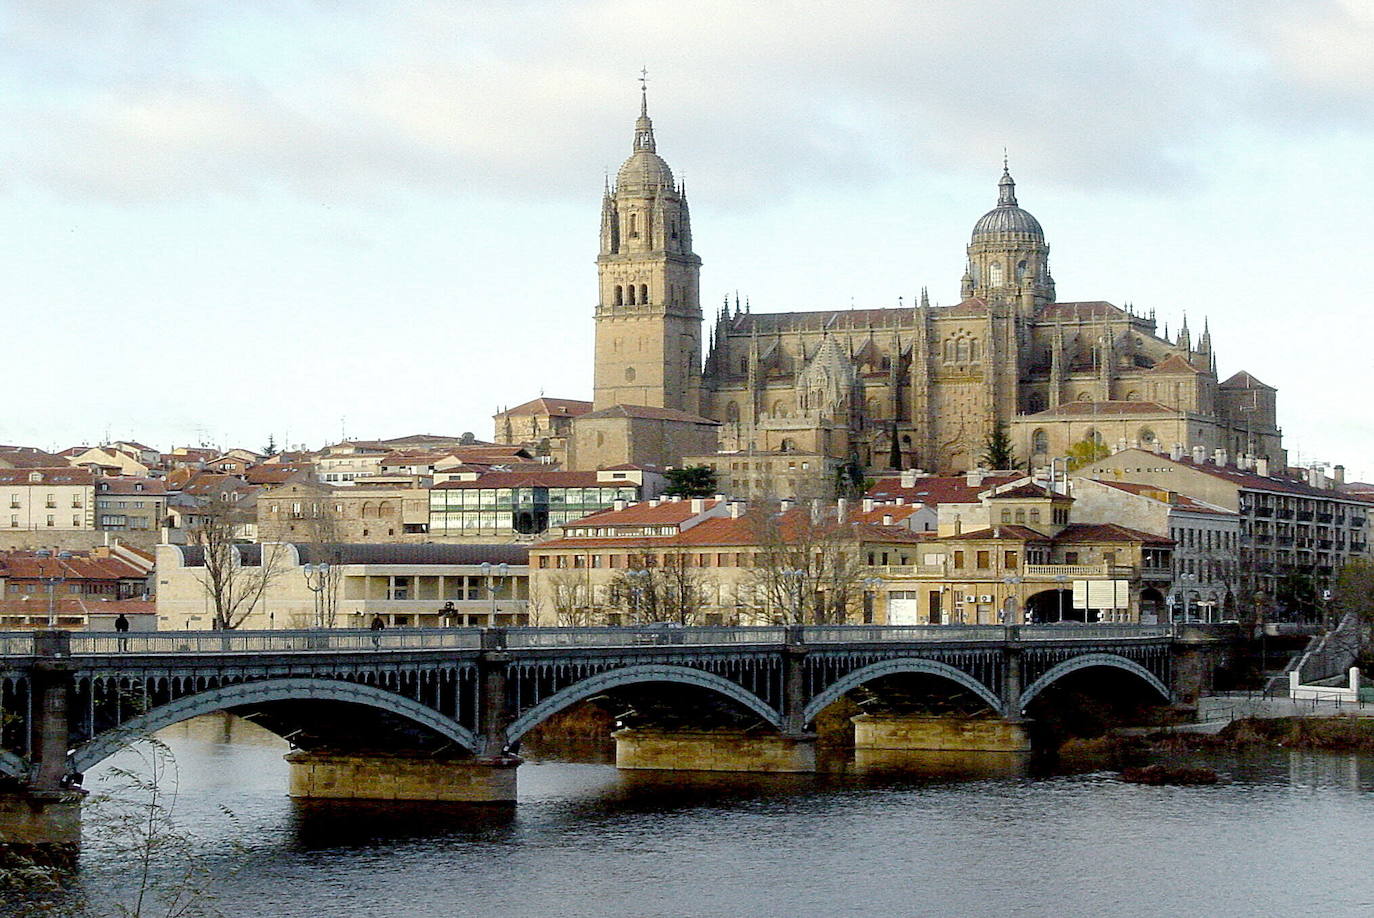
52	580
870	585
491	572
639	580
317	579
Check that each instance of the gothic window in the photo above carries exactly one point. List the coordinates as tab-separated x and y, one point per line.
619	295
995	274
630	294
1093	436
634	226
973	350
962	350
673	232
644	293
949	351
744	364
777	409
1022	270
1133	396
731	412
1040	443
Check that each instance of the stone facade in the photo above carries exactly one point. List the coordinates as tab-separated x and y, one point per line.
937	379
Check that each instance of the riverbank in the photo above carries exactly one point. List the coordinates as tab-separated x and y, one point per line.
1341	733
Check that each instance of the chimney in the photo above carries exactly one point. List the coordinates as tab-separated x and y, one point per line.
887	519
618	504
1262	466
1199	455
654	502
815	511
974	477
736	509
908	478
958	525
901	501
720	497
868	502
1316	477
785	504
698	505
1339	474
1219	456
1176	453
841	510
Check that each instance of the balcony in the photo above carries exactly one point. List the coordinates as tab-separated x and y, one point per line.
1305	516
1264	511
1284	515
1076	571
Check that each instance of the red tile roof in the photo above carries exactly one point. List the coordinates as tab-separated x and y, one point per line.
1003	531
66	475
568	407
551	478
1240	478
1244	380
28	457
1174	364
89	605
131	484
1029	491
1108	532
667	513
26	565
648	413
937	490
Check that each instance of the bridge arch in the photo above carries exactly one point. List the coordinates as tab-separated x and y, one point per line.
601	682
1086	661
858	677
241	693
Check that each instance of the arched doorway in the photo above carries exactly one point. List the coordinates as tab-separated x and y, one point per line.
1050	606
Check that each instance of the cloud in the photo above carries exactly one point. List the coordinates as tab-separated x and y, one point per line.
149	101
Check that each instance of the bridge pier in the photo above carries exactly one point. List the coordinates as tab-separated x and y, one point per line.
714	750
358	776
890	732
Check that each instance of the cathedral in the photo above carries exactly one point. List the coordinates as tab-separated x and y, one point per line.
915	387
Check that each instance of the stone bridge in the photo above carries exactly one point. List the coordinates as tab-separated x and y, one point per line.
439	714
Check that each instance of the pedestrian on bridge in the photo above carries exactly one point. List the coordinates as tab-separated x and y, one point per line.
378	626
122	628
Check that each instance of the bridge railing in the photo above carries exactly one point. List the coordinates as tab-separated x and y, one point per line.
324	640
16	644
840	634
645	635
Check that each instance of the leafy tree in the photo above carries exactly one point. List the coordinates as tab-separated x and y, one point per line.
693	481
1086	452
849	479
997	449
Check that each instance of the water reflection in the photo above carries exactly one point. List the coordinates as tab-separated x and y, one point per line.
935	833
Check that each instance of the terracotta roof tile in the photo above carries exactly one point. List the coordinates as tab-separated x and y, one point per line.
936	490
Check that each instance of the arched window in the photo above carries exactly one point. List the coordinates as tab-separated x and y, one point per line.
1022	270
949	351
634	225
644	293
619	295
630	294
1040	443
789	445
962	350
973	350
995	274
731	412
1085	396
1093	436
777	409
1133	396
744	364
673	231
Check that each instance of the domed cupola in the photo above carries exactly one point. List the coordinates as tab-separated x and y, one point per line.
645	171
1007	256
1007	217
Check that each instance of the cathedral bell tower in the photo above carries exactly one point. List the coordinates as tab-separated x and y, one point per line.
648	317
1008	257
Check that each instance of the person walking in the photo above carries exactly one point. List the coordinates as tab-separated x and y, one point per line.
378	626
122	628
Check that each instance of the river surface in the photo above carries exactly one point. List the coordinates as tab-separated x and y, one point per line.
1287	834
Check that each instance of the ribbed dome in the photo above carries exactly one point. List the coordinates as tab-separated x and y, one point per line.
1007	217
645	170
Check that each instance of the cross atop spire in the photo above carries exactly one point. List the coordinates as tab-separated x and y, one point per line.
644	128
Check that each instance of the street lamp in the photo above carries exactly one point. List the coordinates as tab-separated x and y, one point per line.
871	585
1060	580
1012	583
316	579
795	576
639	579
52	581
488	570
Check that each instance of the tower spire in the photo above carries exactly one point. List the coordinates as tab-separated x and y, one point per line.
644	128
1006	186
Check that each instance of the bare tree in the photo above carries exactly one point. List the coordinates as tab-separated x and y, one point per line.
233	587
658	585
808	567
570	596
325	549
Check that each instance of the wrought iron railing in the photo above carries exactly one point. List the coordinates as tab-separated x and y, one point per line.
343	640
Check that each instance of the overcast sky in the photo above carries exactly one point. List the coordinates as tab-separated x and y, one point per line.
230	220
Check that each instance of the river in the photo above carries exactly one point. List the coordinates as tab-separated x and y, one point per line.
1287	833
